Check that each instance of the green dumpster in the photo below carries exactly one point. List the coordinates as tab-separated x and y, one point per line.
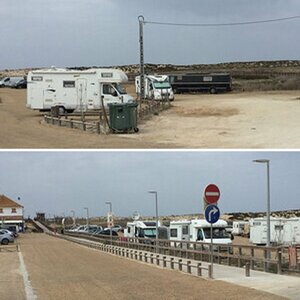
123	117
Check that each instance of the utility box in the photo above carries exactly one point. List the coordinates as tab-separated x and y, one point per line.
123	117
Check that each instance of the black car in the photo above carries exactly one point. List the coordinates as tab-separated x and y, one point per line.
21	84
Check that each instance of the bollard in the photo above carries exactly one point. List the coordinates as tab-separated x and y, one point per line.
247	269
157	260
199	270
188	267
180	264
172	262
210	275
164	261
151	258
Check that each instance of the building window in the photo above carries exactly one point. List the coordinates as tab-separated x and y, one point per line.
13	210
173	232
1	210
68	83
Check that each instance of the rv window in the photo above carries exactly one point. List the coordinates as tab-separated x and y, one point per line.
108	89
13	210
278	227
207	78
37	78
173	232
1	210
185	229
128	230
68	84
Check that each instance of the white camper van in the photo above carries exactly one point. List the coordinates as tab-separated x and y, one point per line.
73	90
240	227
283	231
198	230
157	87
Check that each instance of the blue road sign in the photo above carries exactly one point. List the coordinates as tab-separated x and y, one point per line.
212	213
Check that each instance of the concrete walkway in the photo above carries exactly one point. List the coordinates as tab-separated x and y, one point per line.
281	285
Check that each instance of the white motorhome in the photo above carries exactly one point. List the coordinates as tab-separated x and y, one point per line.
239	227
145	229
283	231
73	90
157	87
198	230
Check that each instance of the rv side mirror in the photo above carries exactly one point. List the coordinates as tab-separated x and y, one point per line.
115	94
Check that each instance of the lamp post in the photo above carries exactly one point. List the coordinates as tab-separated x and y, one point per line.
110	225
73	212
267	162
87	218
156	214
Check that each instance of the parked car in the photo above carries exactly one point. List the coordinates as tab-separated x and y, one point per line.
20	84
107	232
6	238
9	81
12	233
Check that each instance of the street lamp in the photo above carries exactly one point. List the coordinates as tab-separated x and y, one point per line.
87	218
110	225
156	213
267	161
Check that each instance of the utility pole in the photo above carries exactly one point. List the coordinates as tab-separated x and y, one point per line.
142	70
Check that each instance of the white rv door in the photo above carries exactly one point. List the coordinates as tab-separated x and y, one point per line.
49	97
81	94
109	94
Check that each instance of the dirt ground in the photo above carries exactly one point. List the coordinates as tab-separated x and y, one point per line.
59	269
231	120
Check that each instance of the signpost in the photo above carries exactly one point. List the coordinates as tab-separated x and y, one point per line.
212	213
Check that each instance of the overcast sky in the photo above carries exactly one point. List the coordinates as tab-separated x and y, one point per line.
37	33
58	182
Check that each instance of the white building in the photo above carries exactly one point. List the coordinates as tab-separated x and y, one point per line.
11	212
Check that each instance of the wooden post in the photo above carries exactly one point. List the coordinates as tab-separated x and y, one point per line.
157	259
239	258
98	127
247	269
265	260
199	270
164	261
172	262
151	258
145	257
141	256
279	261
180	264
188	267
252	259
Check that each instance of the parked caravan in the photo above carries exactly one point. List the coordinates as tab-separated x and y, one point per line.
283	231
198	230
73	90
194	82
240	227
157	87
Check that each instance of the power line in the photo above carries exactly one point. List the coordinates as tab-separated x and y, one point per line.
222	24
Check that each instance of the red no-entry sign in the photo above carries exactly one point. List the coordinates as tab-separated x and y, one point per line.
211	194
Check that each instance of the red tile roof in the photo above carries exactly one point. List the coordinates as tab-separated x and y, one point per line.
6	202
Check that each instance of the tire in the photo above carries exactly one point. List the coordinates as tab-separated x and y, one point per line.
5	242
61	111
136	129
213	90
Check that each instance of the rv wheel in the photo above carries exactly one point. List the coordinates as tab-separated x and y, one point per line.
5	242
61	110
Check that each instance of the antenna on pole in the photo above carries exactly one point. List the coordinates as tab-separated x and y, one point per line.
142	70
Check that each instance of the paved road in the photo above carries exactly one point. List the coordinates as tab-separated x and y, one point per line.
60	269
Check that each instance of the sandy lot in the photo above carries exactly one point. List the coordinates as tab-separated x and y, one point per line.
62	270
232	120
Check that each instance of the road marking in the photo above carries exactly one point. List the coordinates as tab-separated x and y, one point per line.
28	288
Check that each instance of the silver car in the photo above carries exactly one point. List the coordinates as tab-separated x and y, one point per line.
6	237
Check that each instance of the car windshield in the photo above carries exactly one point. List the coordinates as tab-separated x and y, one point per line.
150	232
218	233
119	88
161	85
